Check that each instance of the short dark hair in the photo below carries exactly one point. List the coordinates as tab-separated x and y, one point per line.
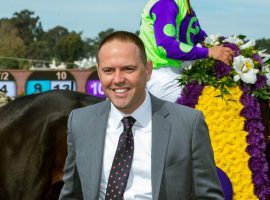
125	37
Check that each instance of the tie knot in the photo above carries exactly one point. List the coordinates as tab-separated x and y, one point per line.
128	122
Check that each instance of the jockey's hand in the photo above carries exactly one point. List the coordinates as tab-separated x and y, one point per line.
224	54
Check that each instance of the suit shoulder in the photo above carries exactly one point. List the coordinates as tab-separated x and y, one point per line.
173	108
95	108
183	114
184	108
181	108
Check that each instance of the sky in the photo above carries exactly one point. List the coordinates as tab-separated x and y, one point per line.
224	17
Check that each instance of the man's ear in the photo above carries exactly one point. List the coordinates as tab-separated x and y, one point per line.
149	68
97	66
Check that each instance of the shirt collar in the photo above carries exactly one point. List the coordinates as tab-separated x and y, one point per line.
142	114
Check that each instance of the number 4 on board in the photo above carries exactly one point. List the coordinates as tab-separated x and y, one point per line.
4	89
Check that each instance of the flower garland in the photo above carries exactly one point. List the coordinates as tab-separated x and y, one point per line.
255	145
250	67
190	94
228	138
250	71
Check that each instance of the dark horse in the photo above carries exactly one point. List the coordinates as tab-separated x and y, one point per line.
33	144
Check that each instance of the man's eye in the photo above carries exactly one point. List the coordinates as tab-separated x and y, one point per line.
129	69
107	71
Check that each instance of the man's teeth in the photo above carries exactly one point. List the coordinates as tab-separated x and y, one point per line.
120	90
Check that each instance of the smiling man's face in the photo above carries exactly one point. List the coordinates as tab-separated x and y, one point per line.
123	74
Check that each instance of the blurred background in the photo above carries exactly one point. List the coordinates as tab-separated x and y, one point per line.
39	33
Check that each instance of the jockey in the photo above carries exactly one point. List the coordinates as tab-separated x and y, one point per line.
171	31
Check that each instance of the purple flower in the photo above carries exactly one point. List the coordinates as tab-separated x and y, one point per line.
245	89
248	100
251	112
262	192
259	179
257	164
254	126
251	108
234	47
258	59
253	151
254	139
261	81
256	144
221	69
190	94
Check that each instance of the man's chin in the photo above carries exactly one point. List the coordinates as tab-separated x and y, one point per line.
119	101
120	106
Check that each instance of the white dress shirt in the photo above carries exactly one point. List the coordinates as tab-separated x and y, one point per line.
139	183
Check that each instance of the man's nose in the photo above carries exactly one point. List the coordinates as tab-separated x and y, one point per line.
119	77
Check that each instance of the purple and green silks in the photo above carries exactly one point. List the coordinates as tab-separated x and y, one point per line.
170	33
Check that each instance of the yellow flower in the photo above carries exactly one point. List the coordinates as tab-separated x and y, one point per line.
228	138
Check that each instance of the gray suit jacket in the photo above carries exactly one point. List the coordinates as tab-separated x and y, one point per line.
182	159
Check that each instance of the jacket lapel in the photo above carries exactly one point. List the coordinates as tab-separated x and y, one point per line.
98	129
160	137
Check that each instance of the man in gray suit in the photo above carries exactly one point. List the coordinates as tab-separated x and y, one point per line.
164	152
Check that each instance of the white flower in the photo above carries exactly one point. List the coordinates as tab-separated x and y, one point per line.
244	67
212	39
187	64
250	43
198	45
266	71
263	55
234	39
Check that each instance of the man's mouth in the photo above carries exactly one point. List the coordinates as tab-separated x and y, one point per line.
120	90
